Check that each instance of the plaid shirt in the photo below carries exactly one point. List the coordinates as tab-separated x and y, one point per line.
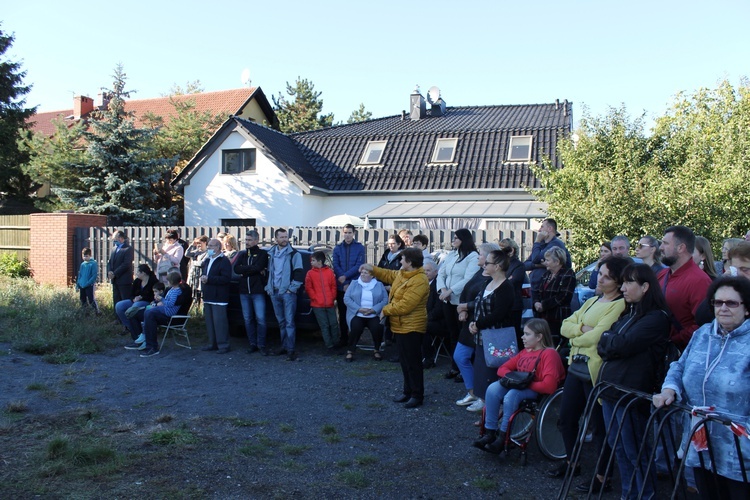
555	291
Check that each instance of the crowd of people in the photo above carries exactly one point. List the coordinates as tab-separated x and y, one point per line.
669	295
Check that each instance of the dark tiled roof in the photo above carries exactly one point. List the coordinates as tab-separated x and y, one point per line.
483	134
328	158
283	148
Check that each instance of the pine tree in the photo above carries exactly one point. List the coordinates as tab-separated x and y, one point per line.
359	115
301	114
119	179
13	115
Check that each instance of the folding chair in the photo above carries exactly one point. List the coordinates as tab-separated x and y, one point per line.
177	326
440	341
178	323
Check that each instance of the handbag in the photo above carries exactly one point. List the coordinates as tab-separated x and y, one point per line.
519	380
580	367
133	311
163	267
499	345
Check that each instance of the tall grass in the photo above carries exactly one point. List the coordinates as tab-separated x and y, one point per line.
44	320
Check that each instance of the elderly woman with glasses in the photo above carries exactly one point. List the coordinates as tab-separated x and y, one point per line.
712	371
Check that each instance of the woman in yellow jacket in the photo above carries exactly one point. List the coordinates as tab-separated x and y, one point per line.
407	314
584	328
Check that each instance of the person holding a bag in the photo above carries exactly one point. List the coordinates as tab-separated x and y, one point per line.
492	311
584	328
536	369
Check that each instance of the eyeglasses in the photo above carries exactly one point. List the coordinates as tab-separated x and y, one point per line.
641	245
731	304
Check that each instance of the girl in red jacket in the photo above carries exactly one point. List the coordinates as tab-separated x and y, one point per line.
320	284
537	343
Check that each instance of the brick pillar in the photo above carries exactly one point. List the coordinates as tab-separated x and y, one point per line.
51	257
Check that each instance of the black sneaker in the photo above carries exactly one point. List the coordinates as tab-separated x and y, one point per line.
149	352
292	356
252	349
280	352
133	346
264	351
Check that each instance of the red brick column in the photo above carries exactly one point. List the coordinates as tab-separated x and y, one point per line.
51	257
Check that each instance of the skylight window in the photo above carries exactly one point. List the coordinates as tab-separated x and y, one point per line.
373	154
445	150
520	148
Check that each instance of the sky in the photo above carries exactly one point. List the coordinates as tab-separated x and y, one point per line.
596	54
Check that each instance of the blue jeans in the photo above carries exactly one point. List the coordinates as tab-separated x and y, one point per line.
254	310
509	398
462	356
132	324
285	306
152	318
631	427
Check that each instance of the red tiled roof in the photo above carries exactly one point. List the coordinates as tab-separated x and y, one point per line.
227	102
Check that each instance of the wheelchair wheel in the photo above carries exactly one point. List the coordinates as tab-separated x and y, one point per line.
548	437
521	426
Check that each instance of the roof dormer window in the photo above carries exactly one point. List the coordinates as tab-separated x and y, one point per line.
520	148
373	154
445	150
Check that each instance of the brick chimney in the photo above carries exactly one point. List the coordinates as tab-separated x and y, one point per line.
82	106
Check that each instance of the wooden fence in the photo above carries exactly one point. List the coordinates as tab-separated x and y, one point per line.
143	239
15	231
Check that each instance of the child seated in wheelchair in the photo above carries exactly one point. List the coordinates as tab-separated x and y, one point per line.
538	357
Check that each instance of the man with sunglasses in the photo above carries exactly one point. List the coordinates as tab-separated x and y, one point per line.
684	284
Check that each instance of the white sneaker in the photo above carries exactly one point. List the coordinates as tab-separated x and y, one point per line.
476	406
141	339
467	400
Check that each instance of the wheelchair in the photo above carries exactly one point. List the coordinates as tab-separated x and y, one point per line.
538	417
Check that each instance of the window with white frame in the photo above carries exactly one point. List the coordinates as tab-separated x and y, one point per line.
445	151
236	161
373	154
520	148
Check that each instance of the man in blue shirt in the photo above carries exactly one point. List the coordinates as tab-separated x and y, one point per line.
347	257
159	315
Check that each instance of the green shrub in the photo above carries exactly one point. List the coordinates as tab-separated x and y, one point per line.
12	267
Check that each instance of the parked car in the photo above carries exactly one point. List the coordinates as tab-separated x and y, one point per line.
304	318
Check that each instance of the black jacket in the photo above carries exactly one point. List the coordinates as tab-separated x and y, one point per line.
121	264
252	266
632	350
435	318
216	288
473	287
146	292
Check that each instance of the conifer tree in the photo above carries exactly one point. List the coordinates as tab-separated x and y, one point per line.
13	115
301	114
119	179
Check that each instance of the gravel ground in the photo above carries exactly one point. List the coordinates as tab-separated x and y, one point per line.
255	427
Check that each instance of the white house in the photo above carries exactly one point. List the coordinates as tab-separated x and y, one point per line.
444	167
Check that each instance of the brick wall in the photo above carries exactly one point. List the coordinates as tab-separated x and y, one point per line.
51	256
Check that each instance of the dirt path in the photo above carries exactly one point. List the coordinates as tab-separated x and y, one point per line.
245	426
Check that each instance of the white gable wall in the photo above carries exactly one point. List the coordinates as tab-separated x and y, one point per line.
266	195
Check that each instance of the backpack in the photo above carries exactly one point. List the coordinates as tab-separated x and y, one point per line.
671	354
